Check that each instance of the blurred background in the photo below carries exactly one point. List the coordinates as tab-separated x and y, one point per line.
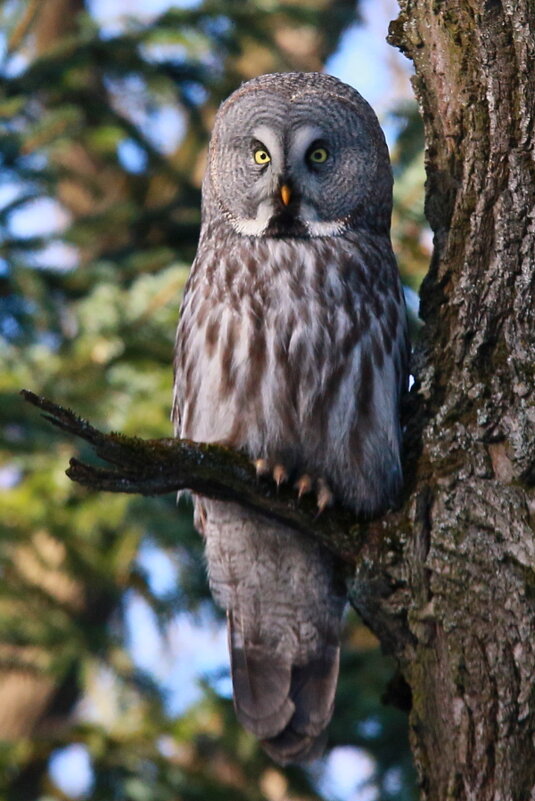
114	679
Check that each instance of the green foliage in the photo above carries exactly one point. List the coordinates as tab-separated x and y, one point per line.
88	306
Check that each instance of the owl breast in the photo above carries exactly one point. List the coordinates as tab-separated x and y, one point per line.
294	350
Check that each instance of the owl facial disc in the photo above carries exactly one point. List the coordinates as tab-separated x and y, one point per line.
302	164
280	192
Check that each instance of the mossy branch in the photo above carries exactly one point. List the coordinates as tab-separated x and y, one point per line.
159	466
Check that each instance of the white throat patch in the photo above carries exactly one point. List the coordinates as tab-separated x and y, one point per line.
325	227
255	226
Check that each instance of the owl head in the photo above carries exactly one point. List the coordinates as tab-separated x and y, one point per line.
298	155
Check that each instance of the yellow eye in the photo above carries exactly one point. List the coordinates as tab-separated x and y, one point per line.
318	155
261	156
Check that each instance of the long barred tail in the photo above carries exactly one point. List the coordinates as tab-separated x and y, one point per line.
284	605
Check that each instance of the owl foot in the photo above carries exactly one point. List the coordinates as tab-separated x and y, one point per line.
324	496
280	476
303	485
277	471
262	467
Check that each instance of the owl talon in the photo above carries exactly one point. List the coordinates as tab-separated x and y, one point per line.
262	467
280	476
303	485
325	497
277	471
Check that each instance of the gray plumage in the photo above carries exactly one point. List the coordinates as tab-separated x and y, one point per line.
292	345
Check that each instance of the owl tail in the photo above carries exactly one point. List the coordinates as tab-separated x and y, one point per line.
284	601
287	706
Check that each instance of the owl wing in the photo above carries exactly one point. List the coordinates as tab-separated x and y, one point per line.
185	353
178	381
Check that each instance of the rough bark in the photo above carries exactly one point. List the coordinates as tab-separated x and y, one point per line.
456	597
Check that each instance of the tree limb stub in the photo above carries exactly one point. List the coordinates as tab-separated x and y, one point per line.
160	466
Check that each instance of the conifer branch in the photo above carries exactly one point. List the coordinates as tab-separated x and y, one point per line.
160	466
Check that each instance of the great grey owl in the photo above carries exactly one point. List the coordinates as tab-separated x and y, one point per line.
292	346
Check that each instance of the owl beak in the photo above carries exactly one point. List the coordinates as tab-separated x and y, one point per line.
286	194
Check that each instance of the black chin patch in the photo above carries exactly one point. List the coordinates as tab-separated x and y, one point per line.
284	223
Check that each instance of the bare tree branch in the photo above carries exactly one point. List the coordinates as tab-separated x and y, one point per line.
159	466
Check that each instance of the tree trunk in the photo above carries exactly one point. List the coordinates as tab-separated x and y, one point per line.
456	597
